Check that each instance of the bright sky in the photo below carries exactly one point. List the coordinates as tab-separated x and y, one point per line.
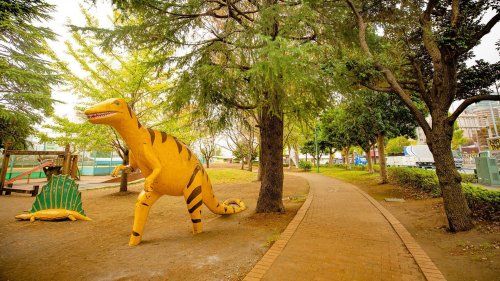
69	12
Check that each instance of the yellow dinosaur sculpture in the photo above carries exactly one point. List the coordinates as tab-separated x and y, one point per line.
169	167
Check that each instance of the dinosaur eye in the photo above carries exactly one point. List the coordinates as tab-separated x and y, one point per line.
117	103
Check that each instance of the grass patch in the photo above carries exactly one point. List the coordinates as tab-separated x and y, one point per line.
350	176
228	175
369	182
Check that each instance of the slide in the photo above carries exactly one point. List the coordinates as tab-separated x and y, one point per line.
36	168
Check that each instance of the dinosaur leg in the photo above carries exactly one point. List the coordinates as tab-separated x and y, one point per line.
193	196
144	202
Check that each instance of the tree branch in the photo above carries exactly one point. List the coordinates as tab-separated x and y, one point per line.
389	76
455	13
468	102
378	89
482	32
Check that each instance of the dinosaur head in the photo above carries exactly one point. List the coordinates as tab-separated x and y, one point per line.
108	112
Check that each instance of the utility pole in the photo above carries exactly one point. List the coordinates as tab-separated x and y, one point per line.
317	149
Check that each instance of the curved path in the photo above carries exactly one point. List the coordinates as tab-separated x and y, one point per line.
341	233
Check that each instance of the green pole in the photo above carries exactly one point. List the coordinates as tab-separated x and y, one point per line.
317	150
83	157
11	168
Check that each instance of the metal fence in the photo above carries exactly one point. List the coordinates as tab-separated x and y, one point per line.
89	164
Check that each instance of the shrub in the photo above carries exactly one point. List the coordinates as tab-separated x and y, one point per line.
484	203
469	178
305	165
343	166
423	180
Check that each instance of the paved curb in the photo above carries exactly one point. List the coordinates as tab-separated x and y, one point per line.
261	268
428	268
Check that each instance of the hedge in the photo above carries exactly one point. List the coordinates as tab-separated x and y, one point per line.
484	203
305	165
376	167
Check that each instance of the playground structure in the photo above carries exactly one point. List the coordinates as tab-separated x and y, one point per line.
59	199
169	166
64	163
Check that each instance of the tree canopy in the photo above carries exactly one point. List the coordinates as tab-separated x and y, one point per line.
26	74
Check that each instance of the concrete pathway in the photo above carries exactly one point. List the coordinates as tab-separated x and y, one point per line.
342	236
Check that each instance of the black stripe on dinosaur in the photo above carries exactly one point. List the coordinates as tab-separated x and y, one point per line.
196	169
152	135
138	124
193	194
179	145
163	137
129	110
196	220
192	209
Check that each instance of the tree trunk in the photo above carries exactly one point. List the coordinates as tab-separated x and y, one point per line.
271	189
296	154
346	157
369	161
249	162
124	176
289	157
259	172
242	162
208	162
330	158
455	204
381	155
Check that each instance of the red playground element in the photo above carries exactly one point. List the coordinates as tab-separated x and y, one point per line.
46	163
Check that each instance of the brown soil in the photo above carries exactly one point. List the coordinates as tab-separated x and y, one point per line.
98	250
472	255
130	177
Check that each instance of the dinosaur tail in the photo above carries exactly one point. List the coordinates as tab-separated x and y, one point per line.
229	206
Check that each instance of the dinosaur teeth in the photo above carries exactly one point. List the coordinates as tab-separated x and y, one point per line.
100	114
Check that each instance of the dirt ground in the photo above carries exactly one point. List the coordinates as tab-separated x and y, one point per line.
98	250
472	255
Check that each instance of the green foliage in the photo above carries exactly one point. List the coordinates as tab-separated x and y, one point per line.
458	138
26	77
353	167
395	146
305	165
362	116
261	56
484	203
226	175
468	178
309	147
109	73
420	179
